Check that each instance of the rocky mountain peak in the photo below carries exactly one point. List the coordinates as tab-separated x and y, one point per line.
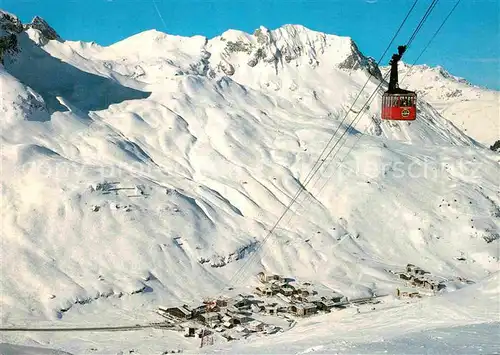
10	27
292	44
356	60
9	23
47	32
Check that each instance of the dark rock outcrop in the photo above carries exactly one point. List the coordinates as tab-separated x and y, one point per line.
356	60
496	146
10	27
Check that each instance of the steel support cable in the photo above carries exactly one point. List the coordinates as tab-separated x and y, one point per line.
422	21
412	37
354	121
319	160
431	40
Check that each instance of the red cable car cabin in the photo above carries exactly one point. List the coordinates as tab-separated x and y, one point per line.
400	107
398	104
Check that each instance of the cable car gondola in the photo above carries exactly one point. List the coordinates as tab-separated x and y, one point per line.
398	104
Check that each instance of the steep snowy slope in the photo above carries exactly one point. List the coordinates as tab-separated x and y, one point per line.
475	110
148	172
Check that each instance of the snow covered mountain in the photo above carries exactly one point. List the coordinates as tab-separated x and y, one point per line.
150	171
473	109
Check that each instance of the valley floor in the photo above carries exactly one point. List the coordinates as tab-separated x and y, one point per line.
459	322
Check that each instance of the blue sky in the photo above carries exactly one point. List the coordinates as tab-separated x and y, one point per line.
467	46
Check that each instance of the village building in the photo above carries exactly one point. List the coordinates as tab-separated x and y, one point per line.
221	303
405	276
242	329
179	312
271	309
324	305
241	319
230	321
255	308
303	292
209	318
189	331
303	309
264	278
284	298
320	305
256	326
286	290
417	282
199	309
410	268
268	290
427	284
242	303
440	286
436	286
420	272
336	297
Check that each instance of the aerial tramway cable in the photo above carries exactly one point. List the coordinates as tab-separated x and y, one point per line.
432	39
319	161
371	98
315	169
422	22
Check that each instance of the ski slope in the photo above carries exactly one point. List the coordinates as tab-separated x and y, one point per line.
149	172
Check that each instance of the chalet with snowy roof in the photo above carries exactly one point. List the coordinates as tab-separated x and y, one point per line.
417	282
286	290
323	304
303	309
267	290
241	303
284	298
256	308
405	276
410	267
271	308
335	297
264	278
415	270
182	312
255	326
209	318
230	321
